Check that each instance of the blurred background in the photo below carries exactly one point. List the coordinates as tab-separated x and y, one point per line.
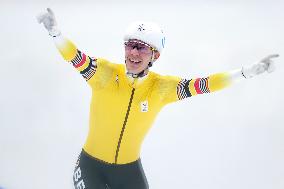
228	139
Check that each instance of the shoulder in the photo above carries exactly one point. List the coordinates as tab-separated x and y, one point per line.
107	66
164	79
102	62
166	87
165	83
104	72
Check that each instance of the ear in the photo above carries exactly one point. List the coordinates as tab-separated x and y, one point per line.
157	55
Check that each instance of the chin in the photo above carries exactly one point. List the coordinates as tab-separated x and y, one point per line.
134	70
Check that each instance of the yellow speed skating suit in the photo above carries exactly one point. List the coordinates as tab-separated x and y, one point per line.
123	110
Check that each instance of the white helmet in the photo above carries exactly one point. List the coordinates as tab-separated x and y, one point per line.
147	32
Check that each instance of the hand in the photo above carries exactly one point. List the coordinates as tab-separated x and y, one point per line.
266	64
49	22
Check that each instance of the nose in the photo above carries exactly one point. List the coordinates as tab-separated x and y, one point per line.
134	51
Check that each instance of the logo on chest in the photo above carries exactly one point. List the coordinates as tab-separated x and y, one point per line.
144	106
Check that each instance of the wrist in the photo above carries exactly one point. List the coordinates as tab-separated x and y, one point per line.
54	32
242	72
247	71
237	75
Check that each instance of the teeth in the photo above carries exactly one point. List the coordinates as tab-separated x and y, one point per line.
135	61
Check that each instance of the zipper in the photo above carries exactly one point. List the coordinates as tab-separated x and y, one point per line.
124	124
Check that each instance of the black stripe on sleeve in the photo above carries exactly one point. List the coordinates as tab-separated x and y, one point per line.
183	89
90	70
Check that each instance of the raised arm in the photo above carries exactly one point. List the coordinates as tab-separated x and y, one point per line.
187	88
86	65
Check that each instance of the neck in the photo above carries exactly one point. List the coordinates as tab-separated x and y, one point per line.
138	80
138	75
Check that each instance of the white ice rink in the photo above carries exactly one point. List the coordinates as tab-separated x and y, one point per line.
232	139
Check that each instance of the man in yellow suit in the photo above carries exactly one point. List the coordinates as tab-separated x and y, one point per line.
126	99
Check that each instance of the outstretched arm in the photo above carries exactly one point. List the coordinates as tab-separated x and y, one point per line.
86	65
187	88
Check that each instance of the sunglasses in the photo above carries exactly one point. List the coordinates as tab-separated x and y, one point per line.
140	46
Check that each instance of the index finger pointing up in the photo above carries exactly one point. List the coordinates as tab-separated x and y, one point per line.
50	11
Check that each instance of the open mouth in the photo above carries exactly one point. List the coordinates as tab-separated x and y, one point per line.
134	61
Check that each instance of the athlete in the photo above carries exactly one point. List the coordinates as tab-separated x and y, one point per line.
126	99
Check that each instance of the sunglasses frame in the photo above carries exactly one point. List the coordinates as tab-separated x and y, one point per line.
139	42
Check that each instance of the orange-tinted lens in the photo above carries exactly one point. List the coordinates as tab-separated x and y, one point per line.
141	47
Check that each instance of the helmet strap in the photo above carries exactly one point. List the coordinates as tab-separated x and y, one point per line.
141	74
152	59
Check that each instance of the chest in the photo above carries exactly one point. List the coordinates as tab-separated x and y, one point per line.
120	94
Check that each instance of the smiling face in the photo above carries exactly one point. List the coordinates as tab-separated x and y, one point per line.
138	55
